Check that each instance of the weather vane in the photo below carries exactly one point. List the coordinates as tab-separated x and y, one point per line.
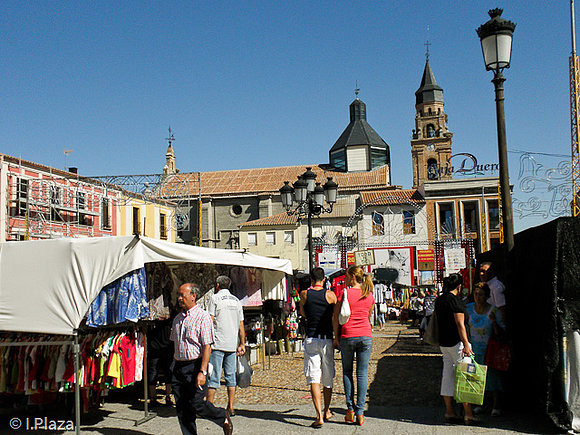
427	44
356	89
171	138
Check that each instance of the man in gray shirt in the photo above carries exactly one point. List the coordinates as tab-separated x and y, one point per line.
228	317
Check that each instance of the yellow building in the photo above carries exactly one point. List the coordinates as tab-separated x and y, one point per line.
147	218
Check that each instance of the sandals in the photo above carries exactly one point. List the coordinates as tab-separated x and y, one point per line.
350	417
316	425
328	418
471	421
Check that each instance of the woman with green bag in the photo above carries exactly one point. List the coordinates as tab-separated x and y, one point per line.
454	343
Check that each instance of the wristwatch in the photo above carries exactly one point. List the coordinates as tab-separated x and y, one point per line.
204	372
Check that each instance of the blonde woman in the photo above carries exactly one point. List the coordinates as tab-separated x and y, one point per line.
355	340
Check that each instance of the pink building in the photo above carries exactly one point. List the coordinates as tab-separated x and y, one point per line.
38	201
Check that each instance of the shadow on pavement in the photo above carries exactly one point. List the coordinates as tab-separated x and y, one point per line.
281	416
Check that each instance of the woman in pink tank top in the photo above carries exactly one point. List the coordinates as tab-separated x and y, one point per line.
355	340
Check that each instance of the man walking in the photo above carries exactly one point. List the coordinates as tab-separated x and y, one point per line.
317	305
228	318
192	334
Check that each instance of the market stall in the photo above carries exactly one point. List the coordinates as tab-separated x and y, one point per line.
48	286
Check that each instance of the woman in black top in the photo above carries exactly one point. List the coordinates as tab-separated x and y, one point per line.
453	339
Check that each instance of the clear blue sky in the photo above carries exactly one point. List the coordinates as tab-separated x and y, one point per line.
259	84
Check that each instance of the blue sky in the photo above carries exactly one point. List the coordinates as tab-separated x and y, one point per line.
259	84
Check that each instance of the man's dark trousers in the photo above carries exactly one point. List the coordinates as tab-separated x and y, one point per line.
190	399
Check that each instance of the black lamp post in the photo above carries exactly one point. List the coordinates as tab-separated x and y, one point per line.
310	197
496	44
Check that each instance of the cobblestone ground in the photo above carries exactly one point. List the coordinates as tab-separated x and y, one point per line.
402	371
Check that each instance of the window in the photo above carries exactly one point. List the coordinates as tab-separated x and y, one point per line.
252	239
54	192
236	210
338	160
446	219
432	169
379	157
408	222
163	226
81	200
105	214
430	130
136	220
289	237
470	217
378	224
21	196
270	238
493	215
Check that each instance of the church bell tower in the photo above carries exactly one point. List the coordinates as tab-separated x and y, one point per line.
431	143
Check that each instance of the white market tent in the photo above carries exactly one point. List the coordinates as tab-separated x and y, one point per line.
47	286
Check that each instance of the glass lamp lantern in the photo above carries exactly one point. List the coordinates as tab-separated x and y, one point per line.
300	190
496	41
286	195
310	178
319	195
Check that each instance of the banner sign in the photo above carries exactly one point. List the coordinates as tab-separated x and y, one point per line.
454	260
425	259
364	258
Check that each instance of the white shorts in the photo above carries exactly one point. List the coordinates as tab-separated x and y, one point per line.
319	361
450	357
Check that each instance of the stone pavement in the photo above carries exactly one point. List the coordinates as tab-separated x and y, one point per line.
119	418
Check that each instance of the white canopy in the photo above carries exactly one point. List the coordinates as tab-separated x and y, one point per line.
47	286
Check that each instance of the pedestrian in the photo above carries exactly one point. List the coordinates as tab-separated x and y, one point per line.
355	339
451	315
193	335
317	306
488	275
485	321
429	307
227	314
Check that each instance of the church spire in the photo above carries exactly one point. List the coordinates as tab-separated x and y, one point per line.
429	91
169	167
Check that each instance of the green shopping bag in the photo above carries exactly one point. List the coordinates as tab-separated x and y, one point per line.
470	382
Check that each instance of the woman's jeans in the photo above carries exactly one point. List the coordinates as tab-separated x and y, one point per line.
361	347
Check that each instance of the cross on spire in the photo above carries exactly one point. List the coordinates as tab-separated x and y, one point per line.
356	89
427	44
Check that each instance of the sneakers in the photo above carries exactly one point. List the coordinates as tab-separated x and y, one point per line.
360	420
496	412
349	417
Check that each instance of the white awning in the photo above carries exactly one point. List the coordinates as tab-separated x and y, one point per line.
47	286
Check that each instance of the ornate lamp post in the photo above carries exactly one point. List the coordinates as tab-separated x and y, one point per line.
309	196
496	44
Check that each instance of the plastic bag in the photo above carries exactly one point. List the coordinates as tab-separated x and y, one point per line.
243	372
344	313
470	381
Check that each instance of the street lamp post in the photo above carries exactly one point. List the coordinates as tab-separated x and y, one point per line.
496	44
309	196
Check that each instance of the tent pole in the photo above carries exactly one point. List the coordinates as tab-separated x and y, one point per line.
148	415
76	352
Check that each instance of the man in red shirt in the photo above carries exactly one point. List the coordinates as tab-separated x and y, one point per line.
192	333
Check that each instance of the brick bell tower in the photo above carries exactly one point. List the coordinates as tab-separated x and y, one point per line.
431	143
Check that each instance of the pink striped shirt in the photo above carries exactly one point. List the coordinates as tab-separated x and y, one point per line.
191	330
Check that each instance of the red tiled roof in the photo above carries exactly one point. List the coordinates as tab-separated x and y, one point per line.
269	180
391	197
344	207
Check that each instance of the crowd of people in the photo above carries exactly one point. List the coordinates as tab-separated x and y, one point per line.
204	344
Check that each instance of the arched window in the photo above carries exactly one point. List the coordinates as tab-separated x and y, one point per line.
430	130
430	111
432	169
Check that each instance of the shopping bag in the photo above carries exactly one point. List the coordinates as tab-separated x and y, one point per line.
243	372
470	381
431	335
498	355
344	313
383	308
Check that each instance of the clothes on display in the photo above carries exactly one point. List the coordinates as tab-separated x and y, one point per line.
125	299
108	360
160	290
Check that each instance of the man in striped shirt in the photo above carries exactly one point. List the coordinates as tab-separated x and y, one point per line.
192	334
